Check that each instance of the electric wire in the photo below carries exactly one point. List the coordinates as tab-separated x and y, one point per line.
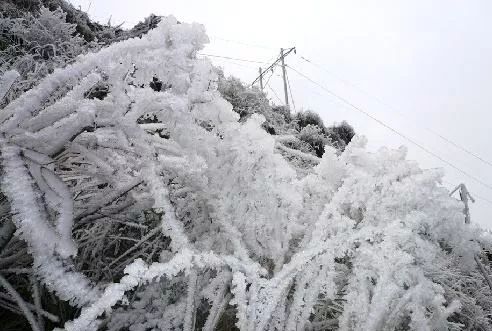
483	199
236	63
382	102
232	58
420	146
274	93
270	87
242	43
279	58
270	77
290	92
347	102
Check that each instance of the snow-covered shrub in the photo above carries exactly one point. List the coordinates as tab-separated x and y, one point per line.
314	137
312	130
284	111
340	134
40	36
308	117
148	209
34	45
245	101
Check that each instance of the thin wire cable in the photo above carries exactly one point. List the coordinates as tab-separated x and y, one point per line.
270	77
242	43
290	92
483	199
268	85
236	63
232	58
460	147
425	149
274	93
382	102
272	69
272	66
279	58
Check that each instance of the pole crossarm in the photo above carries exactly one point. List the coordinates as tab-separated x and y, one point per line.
275	63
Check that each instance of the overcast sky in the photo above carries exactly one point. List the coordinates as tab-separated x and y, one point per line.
429	61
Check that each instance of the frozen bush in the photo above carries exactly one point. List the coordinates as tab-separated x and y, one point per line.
245	101
308	117
209	224
313	135
341	134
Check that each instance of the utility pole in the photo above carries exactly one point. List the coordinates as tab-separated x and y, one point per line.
464	195
279	60
261	78
285	78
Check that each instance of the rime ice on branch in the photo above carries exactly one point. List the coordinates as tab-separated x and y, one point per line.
367	241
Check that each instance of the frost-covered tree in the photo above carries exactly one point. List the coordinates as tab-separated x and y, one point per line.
341	134
34	45
143	208
247	100
297	134
308	117
314	137
39	36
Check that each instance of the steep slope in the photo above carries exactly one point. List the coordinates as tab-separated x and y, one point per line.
301	138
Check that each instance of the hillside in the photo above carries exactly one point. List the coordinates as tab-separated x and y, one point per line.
143	190
301	137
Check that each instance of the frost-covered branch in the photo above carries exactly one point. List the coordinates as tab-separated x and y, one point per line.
144	201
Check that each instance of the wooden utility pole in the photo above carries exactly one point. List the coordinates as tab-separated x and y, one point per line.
261	78
279	60
285	78
464	195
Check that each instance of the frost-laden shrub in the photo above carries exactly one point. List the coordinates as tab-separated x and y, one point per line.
159	210
34	45
245	101
284	111
341	134
248	100
314	137
308	117
38	37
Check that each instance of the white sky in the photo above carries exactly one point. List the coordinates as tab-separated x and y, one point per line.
431	60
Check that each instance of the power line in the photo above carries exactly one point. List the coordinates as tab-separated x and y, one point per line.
483	199
242	43
238	64
232	58
293	49
270	77
382	102
476	179
270	87
272	67
274	93
460	147
290	92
